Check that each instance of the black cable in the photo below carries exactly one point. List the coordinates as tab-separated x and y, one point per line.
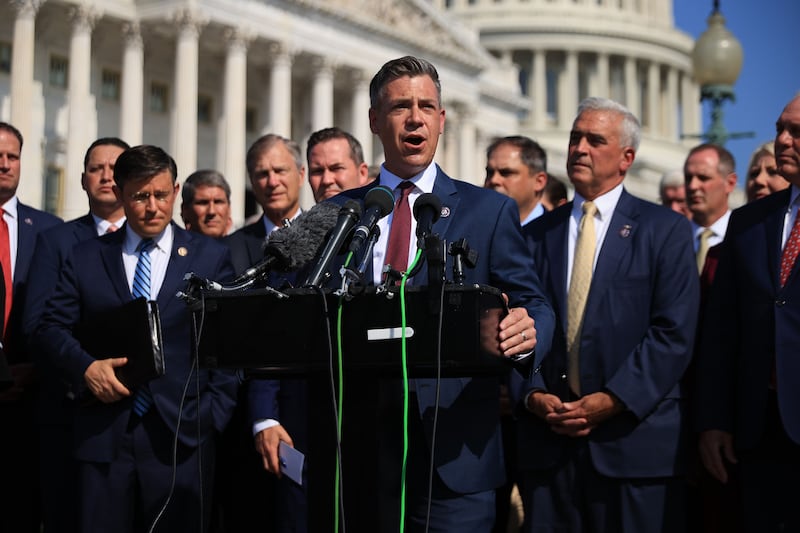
436	406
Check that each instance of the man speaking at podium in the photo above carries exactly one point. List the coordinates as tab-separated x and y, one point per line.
407	115
132	444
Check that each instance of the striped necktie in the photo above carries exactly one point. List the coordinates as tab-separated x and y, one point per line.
143	399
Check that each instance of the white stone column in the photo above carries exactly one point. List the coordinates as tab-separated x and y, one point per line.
568	91
78	101
467	146
537	89
670	106
231	159
132	97
360	113
632	86
654	98
322	94
280	91
603	75
30	185
184	123
690	105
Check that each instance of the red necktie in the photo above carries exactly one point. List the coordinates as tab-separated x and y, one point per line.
791	250
5	260
400	232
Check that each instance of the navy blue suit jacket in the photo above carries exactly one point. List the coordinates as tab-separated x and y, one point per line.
30	222
469	455
247	245
636	342
94	281
751	322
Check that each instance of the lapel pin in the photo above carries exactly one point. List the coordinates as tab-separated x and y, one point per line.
28	221
445	211
625	232
182	251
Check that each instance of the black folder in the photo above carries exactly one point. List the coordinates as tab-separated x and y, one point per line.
132	330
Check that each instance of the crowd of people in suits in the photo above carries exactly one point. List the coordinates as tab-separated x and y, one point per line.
652	350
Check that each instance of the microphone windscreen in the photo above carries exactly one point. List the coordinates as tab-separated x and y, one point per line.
428	200
297	245
381	197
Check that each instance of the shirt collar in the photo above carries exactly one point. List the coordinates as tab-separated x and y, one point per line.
163	240
10	207
269	226
605	203
423	181
718	228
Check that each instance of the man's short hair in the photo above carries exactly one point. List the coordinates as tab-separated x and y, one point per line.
329	134
631	133
204	178
555	190
531	154
5	126
671	178
264	143
103	141
727	164
143	161
399	68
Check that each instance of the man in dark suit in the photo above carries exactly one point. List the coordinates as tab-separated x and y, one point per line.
150	449
19	224
58	469
276	171
407	114
747	368
602	432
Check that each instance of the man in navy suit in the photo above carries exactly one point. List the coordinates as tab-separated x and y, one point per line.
134	463
20	493
406	113
58	471
602	432
747	369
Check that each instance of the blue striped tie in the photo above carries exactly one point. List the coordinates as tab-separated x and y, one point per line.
143	399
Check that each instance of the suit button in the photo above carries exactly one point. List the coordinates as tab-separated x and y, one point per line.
780	303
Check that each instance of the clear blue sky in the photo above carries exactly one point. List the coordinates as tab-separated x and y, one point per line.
770	74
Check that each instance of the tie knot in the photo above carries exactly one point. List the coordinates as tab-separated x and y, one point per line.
589	208
405	188
146	245
706	233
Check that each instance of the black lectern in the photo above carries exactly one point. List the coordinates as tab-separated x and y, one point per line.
275	337
280	337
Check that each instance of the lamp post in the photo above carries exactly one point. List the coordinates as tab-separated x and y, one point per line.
717	61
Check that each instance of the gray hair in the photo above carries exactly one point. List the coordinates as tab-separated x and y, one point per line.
631	133
204	178
671	178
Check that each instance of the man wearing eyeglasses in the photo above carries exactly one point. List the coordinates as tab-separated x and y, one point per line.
132	445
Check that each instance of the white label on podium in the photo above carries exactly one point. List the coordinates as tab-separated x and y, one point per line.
385	334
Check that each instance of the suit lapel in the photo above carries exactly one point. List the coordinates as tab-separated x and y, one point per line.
773	228
614	247
180	258
111	255
26	240
557	244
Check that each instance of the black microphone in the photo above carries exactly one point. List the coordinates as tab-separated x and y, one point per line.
427	210
296	245
349	215
378	202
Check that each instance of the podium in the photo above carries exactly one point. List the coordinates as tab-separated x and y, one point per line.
256	330
274	338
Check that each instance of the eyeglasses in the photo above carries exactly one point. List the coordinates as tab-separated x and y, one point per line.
142	197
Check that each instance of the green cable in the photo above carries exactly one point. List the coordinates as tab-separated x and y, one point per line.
339	411
404	361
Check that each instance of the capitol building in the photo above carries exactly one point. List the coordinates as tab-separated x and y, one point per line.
205	78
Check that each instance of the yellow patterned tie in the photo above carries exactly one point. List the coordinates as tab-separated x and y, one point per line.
578	292
702	249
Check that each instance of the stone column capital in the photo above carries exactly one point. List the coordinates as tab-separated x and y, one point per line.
84	16
239	38
26	8
281	53
132	32
190	21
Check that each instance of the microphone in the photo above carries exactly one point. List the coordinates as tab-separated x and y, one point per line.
348	217
427	210
378	202
294	246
